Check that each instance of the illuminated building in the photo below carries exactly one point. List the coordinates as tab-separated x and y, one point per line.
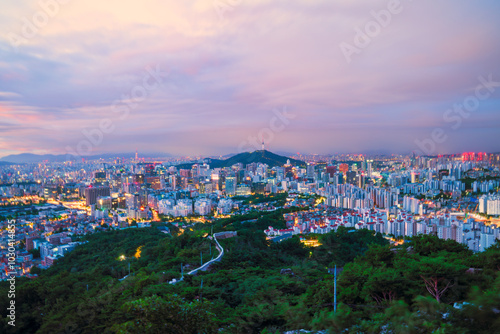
369	167
203	206
230	185
185	172
343	168
100	176
91	194
243	190
155	182
104	202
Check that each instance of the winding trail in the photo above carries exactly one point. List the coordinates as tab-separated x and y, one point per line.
205	265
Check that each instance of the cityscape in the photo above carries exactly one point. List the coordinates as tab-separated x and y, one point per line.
453	197
269	167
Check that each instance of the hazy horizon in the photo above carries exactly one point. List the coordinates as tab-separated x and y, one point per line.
154	155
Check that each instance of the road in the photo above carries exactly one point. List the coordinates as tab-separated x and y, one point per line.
205	265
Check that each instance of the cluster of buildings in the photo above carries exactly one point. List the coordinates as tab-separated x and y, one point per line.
474	233
490	204
406	197
51	247
399	195
43	233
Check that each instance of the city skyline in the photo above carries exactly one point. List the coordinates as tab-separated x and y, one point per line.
218	77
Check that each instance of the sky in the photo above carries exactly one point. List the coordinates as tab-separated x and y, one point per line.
220	76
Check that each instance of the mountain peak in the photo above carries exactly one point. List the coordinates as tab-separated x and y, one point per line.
259	156
245	158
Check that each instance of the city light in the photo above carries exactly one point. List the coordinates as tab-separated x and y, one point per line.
138	252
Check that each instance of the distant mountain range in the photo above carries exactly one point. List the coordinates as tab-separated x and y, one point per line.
286	154
262	156
35	158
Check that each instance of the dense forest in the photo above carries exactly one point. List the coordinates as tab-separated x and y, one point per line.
425	285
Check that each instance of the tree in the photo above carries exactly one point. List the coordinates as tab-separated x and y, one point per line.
345	245
35	252
426	244
384	285
35	270
481	313
170	314
438	273
426	316
291	246
335	322
490	258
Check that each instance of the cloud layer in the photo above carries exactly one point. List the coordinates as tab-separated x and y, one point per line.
65	66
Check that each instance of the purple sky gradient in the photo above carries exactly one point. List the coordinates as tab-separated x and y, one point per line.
228	73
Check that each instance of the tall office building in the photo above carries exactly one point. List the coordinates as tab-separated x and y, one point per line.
230	185
310	170
91	194
195	170
331	170
414	177
351	177
369	167
343	168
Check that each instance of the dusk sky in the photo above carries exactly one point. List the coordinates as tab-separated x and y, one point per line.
229	66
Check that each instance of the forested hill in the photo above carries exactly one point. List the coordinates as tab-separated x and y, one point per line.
262	156
380	288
